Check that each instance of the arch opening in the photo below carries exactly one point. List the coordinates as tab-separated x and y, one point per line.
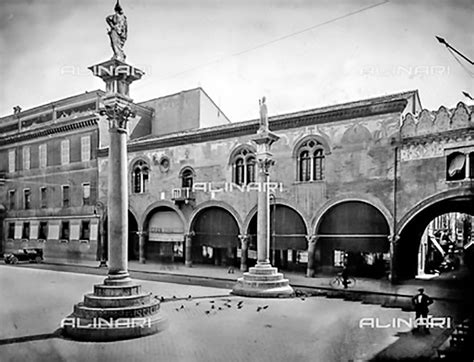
288	243
355	234
133	248
215	239
436	240
164	236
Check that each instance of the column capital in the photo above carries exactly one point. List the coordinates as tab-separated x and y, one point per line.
190	234
312	238
244	239
243	236
264	165
393	238
141	233
117	109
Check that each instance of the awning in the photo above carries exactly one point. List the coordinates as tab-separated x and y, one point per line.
456	164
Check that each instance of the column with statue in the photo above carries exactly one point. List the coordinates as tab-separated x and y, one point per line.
263	280
129	311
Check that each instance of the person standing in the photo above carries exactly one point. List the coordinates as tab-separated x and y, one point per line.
421	302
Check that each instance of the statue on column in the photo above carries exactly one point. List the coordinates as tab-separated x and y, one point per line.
117	32
263	115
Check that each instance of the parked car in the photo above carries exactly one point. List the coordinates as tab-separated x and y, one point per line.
31	255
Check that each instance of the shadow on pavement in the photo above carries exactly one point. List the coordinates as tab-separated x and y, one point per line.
34	337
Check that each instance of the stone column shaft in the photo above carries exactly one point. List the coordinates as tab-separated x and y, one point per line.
263	219
141	247
118	203
188	244
312	239
244	246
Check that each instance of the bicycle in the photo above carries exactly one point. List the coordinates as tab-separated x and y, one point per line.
338	282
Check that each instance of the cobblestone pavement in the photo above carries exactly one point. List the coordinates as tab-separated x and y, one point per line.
299	329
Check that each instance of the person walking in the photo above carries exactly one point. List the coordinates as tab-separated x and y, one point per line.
421	302
345	276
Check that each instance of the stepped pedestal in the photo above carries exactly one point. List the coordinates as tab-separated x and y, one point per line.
114	312
263	281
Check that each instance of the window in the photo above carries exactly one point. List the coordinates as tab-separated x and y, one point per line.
305	173
187	178
43	155
310	161
85	148
11	161
64	230
11	230
11	199
140	177
43	197
66	200
64	152
27	198
85	230
318	160
26	157
26	231
243	164
86	193
43	230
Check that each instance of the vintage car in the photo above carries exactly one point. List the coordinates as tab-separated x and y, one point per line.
31	255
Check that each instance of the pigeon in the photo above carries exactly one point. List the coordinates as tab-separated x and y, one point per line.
174	296
197	303
259	309
162	299
182	307
208	311
303	299
239	304
219	308
239	307
177	309
265	307
190	297
213	306
211	301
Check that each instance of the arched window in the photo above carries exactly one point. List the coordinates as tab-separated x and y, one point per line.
140	173
243	164
187	176
310	161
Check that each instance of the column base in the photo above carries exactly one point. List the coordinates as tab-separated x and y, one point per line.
263	281
114	312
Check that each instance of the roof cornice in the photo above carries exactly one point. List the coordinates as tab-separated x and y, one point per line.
50	129
277	123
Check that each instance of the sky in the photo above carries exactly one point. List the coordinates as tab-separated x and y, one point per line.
298	54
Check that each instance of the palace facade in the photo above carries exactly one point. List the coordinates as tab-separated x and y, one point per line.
339	187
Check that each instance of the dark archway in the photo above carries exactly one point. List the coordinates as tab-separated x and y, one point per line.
288	244
356	233
215	237
410	235
133	239
165	235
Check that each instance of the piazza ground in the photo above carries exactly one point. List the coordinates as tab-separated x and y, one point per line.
318	329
